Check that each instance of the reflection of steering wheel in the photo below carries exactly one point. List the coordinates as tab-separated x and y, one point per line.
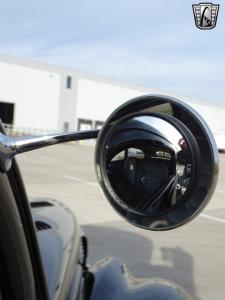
151	182
151	178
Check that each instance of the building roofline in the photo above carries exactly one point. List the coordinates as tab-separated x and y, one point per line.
70	71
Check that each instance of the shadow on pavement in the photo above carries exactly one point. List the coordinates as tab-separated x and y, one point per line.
136	251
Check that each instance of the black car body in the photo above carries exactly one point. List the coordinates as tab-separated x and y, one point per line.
44	255
44	251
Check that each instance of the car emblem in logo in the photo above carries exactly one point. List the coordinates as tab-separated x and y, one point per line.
205	15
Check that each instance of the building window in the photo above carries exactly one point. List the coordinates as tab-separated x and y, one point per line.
69	82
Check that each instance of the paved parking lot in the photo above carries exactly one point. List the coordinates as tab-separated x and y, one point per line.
192	256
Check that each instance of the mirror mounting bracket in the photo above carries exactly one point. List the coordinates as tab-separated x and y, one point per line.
9	146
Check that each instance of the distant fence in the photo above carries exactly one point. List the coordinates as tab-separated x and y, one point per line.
20	131
11	130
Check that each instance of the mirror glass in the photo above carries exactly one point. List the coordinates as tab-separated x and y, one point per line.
148	164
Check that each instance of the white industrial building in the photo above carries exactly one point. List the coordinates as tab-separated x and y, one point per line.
36	98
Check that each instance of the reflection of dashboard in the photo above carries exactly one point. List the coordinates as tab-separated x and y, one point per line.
163	154
142	173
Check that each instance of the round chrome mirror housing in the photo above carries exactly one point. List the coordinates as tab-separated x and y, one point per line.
157	162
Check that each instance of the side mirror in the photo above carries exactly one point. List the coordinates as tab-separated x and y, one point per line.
156	162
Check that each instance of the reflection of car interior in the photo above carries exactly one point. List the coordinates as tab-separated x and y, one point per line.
146	176
142	178
152	176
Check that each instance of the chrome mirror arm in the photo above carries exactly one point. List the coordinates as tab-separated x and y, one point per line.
9	146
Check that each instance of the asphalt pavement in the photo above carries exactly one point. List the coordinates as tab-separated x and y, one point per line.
193	256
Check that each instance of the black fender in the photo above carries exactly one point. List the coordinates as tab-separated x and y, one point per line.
59	238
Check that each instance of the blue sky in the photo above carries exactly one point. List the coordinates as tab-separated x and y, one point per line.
144	42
